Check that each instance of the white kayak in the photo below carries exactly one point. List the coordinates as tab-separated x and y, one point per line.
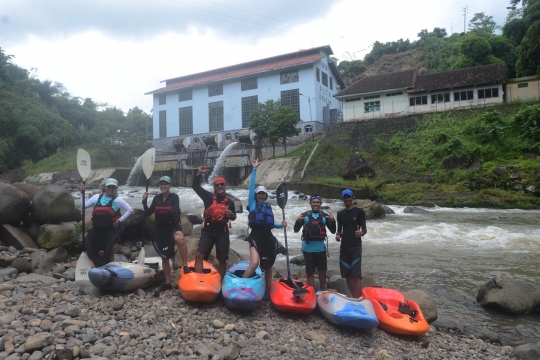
125	276
342	310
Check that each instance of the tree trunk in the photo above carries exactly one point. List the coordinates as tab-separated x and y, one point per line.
274	149
285	143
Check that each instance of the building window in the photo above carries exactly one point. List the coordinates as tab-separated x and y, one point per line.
353	99
524	85
290	76
249	84
215	90
185	120
331	84
228	137
324	78
162	99
215	116
196	140
291	98
185	95
463	95
440	98
248	105
236	136
318	75
395	93
308	129
488	93
372	106
371	97
418	100
163	123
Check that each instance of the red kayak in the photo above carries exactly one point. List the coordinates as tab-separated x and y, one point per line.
396	314
281	295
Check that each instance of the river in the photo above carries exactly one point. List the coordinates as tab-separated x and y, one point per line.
448	253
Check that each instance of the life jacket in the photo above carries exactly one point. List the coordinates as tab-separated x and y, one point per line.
315	228
163	214
261	216
104	216
215	213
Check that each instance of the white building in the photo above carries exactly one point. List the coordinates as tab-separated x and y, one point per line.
406	92
220	101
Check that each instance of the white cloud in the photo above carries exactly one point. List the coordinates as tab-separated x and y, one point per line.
115	54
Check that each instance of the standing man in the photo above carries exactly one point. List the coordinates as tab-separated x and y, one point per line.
168	228
314	224
218	211
351	226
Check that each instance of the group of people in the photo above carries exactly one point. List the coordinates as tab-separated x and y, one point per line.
101	241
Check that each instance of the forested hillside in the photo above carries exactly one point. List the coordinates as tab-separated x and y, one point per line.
516	43
39	117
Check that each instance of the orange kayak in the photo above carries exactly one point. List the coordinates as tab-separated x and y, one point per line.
202	287
283	299
395	314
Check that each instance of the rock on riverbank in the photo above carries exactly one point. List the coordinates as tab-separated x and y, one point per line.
46	318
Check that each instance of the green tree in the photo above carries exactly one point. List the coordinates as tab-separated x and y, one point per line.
260	121
529	56
515	30
351	69
482	24
283	124
475	51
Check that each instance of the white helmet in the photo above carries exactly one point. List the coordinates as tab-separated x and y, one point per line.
261	189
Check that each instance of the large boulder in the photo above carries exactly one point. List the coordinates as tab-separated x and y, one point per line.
12	176
15	237
509	295
525	352
426	303
53	204
14	204
373	209
41	262
134	226
29	189
22	264
59	255
357	167
339	284
67	177
238	207
55	235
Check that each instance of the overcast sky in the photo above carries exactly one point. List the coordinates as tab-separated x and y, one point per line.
115	51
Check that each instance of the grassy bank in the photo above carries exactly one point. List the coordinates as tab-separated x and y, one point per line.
483	157
102	156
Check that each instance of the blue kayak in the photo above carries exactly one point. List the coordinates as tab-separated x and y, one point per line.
342	310
123	276
240	293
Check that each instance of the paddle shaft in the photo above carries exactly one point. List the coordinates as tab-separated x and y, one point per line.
83	212
147	181
286	247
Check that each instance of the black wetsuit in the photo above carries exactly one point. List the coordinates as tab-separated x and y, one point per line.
163	236
350	257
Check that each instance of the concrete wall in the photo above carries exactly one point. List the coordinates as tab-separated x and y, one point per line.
527	88
271	173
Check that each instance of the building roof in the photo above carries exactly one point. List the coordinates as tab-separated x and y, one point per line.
398	80
483	74
251	67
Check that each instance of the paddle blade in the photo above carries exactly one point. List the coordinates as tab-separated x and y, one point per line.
83	163
83	267
142	255
148	162
282	195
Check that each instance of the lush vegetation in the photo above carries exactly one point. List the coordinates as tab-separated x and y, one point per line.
518	46
450	157
38	118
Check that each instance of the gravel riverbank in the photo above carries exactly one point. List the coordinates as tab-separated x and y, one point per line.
45	318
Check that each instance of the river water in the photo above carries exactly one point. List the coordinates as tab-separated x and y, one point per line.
448	253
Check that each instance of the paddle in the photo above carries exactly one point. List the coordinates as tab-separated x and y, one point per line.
282	197
84	167
148	164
